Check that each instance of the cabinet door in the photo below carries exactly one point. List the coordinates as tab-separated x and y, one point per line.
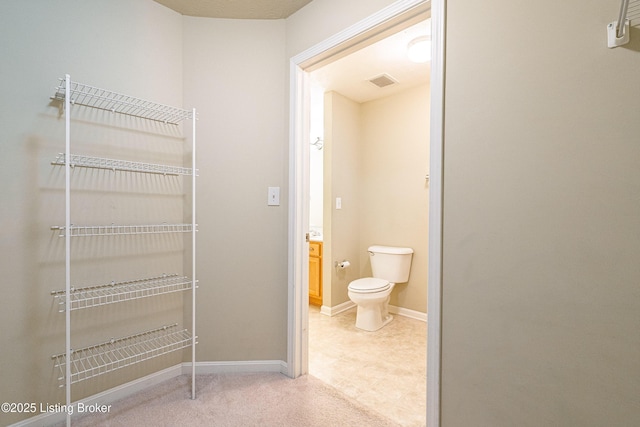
315	280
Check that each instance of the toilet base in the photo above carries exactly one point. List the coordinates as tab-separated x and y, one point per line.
373	309
371	318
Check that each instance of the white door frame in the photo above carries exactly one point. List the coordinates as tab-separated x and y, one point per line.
300	65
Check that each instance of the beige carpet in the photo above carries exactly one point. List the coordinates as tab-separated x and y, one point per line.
230	400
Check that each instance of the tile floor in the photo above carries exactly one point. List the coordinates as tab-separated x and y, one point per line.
384	370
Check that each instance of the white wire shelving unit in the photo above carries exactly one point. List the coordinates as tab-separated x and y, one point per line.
120	165
117	353
76	365
122	230
114	292
95	97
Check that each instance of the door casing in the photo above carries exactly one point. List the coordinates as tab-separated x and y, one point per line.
369	30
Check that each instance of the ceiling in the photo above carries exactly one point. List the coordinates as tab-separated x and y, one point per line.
236	9
350	75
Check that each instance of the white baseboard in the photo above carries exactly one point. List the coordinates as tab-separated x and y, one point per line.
418	315
106	397
120	392
340	308
237	367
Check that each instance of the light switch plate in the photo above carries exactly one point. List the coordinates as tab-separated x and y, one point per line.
273	196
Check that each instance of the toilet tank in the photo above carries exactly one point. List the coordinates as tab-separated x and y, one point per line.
391	263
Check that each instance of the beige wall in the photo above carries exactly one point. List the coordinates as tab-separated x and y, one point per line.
41	41
541	303
234	74
376	160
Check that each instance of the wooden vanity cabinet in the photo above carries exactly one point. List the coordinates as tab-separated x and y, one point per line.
315	273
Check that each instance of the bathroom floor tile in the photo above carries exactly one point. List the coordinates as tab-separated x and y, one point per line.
384	370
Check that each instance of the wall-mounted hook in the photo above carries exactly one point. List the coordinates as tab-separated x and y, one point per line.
318	143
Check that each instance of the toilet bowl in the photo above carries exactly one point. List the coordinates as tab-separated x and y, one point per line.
390	265
371	295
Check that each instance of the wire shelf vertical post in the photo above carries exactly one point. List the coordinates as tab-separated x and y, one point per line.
193	254
67	239
618	31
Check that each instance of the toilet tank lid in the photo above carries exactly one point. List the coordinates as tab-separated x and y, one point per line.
390	250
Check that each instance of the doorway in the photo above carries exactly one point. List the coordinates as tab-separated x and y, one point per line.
376	27
368	146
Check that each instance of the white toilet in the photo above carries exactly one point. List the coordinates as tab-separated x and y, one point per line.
390	265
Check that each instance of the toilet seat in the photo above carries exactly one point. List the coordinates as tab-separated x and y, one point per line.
369	285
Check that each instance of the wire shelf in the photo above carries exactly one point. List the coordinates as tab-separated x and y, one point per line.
633	12
119	165
118	353
123	230
90	96
114	292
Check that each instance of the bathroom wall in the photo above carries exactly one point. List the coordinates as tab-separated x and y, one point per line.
394	198
316	159
376	162
541	303
130	46
343	166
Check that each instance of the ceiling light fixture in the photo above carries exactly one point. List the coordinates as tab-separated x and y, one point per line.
419	49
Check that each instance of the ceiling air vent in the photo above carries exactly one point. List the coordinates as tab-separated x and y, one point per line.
383	80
